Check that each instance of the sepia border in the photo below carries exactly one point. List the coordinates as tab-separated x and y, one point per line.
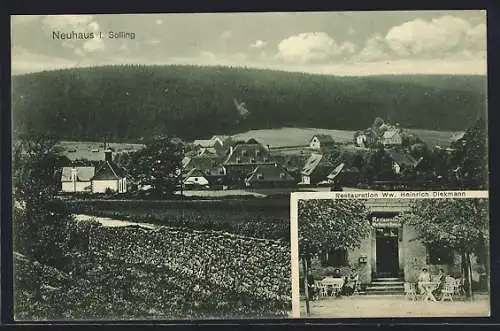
355	195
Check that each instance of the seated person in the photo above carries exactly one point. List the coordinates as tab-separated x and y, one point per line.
424	276
350	283
438	292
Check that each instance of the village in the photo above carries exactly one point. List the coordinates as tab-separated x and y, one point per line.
223	165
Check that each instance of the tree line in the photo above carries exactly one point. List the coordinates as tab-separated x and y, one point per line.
132	101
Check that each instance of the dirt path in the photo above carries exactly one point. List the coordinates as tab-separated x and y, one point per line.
395	306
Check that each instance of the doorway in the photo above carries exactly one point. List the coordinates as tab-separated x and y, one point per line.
387	252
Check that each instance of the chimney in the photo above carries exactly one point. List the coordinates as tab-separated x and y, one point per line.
108	155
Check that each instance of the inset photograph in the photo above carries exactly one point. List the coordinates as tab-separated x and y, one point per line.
391	257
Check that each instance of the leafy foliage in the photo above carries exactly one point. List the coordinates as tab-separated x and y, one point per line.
158	164
460	224
331	224
39	218
471	157
133	101
129	273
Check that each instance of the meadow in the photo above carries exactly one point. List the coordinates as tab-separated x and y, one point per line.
301	136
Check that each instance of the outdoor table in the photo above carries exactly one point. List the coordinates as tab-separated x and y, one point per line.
333	282
428	288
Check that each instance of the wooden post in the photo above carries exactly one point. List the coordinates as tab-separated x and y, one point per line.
306	282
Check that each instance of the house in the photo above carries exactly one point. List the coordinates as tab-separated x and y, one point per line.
208	143
392	138
243	158
194	177
315	170
209	165
361	140
77	179
270	175
224	141
109	177
402	160
320	141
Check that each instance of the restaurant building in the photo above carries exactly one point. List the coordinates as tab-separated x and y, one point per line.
393	253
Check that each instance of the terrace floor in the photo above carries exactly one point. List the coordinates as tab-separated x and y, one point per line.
394	306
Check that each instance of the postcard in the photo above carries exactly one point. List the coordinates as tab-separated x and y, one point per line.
154	155
390	254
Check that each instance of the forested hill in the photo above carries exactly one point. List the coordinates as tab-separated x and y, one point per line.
132	101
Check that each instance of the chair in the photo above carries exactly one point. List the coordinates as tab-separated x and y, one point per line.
410	291
336	288
357	288
448	291
322	290
459	287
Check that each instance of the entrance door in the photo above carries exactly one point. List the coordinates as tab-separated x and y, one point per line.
387	252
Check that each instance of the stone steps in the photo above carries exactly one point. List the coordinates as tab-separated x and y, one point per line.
385	286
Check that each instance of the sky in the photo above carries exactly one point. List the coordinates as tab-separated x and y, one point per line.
333	43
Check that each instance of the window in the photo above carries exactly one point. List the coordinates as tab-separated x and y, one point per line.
335	258
196	179
252	160
238	160
260	176
439	255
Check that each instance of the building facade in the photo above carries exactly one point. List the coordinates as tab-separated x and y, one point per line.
393	250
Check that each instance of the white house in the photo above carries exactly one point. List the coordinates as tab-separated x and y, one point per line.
320	141
392	138
77	179
194	177
109	177
361	140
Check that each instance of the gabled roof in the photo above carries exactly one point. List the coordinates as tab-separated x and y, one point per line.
207	151
207	164
336	171
402	158
312	163
324	138
269	172
248	154
206	143
109	171
193	173
83	174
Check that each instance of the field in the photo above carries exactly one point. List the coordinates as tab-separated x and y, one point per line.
284	140
301	136
119	273
91	150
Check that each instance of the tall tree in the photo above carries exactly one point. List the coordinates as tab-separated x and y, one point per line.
159	165
471	157
325	224
458	224
40	218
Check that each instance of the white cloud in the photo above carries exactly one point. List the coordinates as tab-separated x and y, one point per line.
438	37
312	48
154	41
159	22
77	23
258	44
374	49
93	45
